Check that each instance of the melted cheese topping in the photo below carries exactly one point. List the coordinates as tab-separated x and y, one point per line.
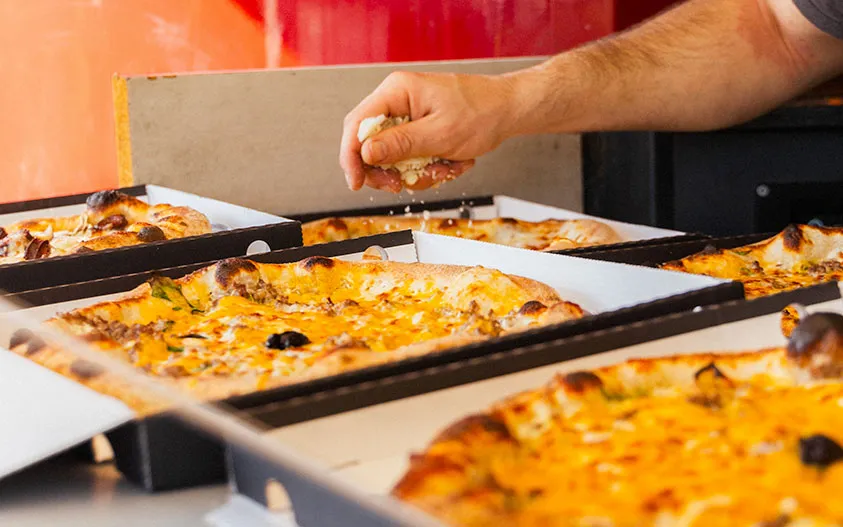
660	460
184	331
116	225
799	257
542	235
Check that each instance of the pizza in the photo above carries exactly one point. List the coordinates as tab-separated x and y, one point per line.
111	219
547	235
743	439
799	256
238	326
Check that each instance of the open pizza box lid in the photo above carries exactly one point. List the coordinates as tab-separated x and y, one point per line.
223	216
36	400
369	448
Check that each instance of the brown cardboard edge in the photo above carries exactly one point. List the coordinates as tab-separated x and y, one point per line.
122	129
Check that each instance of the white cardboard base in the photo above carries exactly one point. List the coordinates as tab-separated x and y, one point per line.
370	447
82	413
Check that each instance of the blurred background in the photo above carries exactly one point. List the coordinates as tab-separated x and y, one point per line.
58	57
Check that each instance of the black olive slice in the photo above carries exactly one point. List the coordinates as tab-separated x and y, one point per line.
193	336
819	451
288	339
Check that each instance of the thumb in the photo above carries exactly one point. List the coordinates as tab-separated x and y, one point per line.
406	141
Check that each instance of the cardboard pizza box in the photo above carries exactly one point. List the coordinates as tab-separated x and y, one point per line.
489	207
369	448
235	229
160	453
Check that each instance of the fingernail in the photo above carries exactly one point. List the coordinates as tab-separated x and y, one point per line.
378	151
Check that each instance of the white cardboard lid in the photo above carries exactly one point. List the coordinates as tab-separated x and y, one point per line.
218	213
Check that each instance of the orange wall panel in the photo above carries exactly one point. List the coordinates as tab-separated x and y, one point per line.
57	58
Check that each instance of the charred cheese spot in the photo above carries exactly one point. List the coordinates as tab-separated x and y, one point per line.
3	233
24	336
83	249
102	200
287	339
447	223
37	249
85	370
710	372
113	222
793	238
782	520
317	261
472	424
151	234
817	344
509	221
230	268
581	381
532	307
337	223
715	388
710	250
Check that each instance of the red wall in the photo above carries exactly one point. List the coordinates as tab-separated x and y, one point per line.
629	12
354	31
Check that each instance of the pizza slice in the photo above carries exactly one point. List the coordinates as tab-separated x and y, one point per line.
799	256
111	219
749	439
547	235
239	326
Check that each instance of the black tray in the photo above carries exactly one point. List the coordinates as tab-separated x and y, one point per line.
314	504
48	272
657	254
159	453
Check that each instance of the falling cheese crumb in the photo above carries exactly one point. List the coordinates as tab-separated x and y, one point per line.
411	170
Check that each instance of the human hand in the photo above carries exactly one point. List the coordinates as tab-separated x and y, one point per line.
452	117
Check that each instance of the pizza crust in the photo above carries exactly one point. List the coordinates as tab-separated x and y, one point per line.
465	474
243	277
547	235
799	256
111	220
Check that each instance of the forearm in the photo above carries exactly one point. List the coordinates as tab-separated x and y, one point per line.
705	64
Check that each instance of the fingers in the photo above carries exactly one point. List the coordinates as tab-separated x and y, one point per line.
438	173
390	98
414	139
380	179
434	175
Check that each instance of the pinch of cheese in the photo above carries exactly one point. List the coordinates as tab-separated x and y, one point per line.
410	170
